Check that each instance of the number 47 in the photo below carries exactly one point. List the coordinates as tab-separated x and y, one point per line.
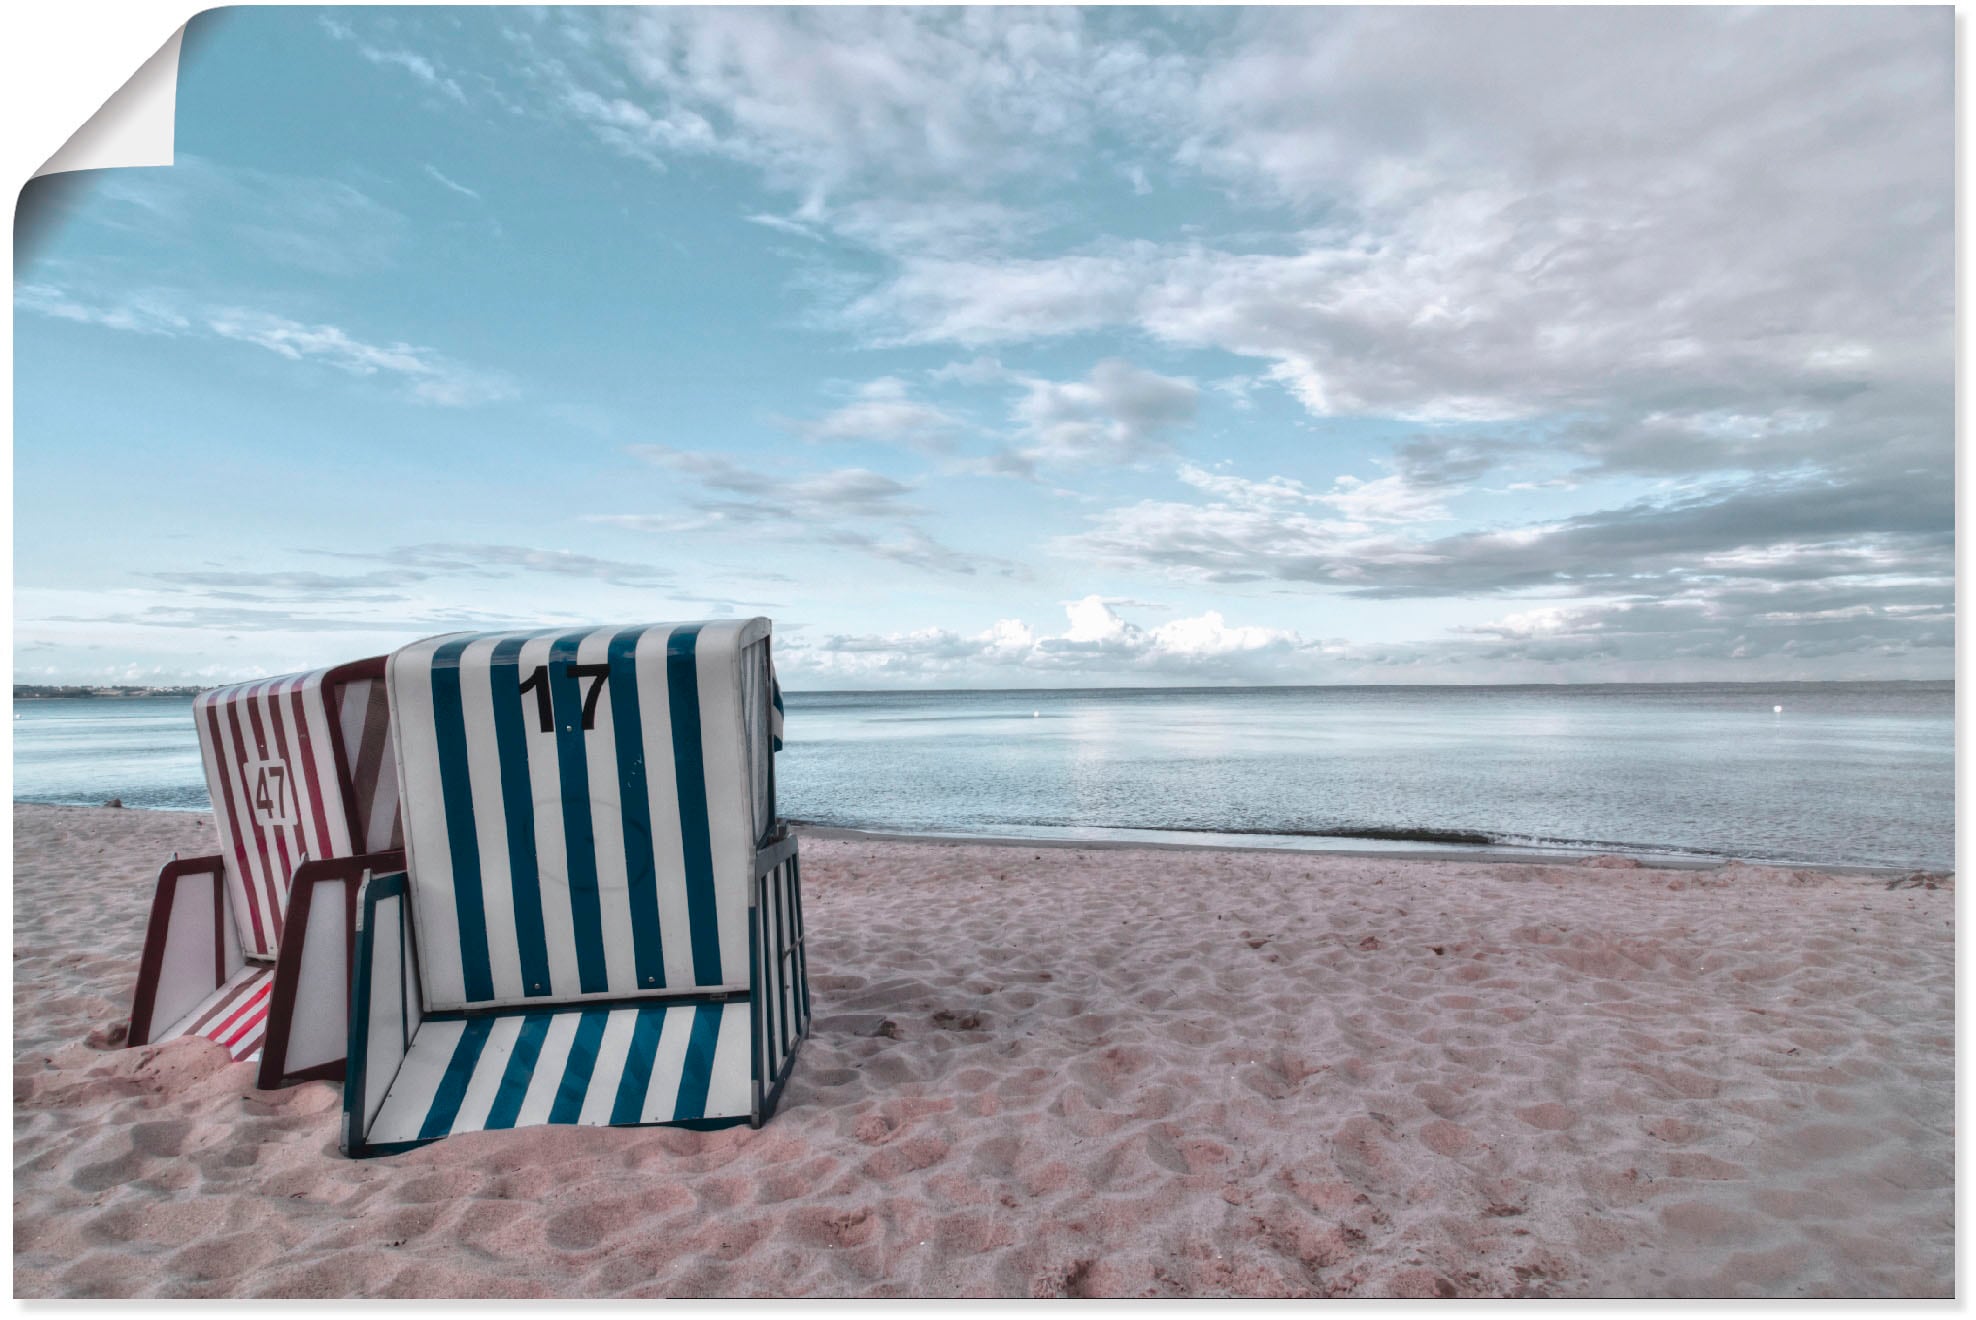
545	712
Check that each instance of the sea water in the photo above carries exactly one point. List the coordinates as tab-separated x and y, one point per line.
1857	773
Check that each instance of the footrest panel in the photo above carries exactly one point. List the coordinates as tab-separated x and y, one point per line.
235	1015
680	1063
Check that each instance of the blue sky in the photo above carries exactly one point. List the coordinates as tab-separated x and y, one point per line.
1011	347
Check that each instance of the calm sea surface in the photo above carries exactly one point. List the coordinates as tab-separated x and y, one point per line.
1847	772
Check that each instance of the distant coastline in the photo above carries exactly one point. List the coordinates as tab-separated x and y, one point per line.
73	691
65	691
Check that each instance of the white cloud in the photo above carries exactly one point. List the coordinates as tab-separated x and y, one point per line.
980	369
1210	635
500	560
1545	621
323	226
418	66
1009	637
975	302
1095	642
140	313
884	412
1118	414
750	493
783	223
848	508
1388	499
445	182
1396	498
950	225
1093	622
424	375
830	100
1243	491
428	377
1628	249
635	130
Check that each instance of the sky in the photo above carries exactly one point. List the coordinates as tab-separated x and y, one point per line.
1012	347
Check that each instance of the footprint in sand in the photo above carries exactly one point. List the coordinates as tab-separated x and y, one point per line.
1550	1117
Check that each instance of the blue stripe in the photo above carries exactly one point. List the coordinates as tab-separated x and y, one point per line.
453	1086
576	1073
450	732
690	781
640	865
511	711
698	1073
637	1078
579	833
520	1071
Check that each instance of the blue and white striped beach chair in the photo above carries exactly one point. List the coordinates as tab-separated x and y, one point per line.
599	921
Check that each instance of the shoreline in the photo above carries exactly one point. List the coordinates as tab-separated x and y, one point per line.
1231	841
1399	852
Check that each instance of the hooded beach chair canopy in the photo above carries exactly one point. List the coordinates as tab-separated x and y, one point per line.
599	916
300	776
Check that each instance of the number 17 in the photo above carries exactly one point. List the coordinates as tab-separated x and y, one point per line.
545	712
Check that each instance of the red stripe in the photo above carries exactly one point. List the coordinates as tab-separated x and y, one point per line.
252	701
308	751
374	747
252	1033
246	1029
241	758
260	993
267	729
222	1010
381	798
226	809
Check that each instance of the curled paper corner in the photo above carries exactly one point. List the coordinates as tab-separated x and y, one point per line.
135	127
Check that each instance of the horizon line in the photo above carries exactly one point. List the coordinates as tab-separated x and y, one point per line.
139	688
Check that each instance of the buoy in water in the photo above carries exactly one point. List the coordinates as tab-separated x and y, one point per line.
1776	710
1037	714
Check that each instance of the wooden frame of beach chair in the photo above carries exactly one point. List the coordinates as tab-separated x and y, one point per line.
600	918
304	794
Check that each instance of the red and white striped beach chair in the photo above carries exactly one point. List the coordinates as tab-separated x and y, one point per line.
305	801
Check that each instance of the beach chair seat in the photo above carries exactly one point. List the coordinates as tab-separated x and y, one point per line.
599	920
305	801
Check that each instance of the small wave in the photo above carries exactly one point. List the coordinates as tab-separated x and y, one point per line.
1342	834
955	719
1393	834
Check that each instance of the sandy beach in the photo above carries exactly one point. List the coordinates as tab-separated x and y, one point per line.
1093	1072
